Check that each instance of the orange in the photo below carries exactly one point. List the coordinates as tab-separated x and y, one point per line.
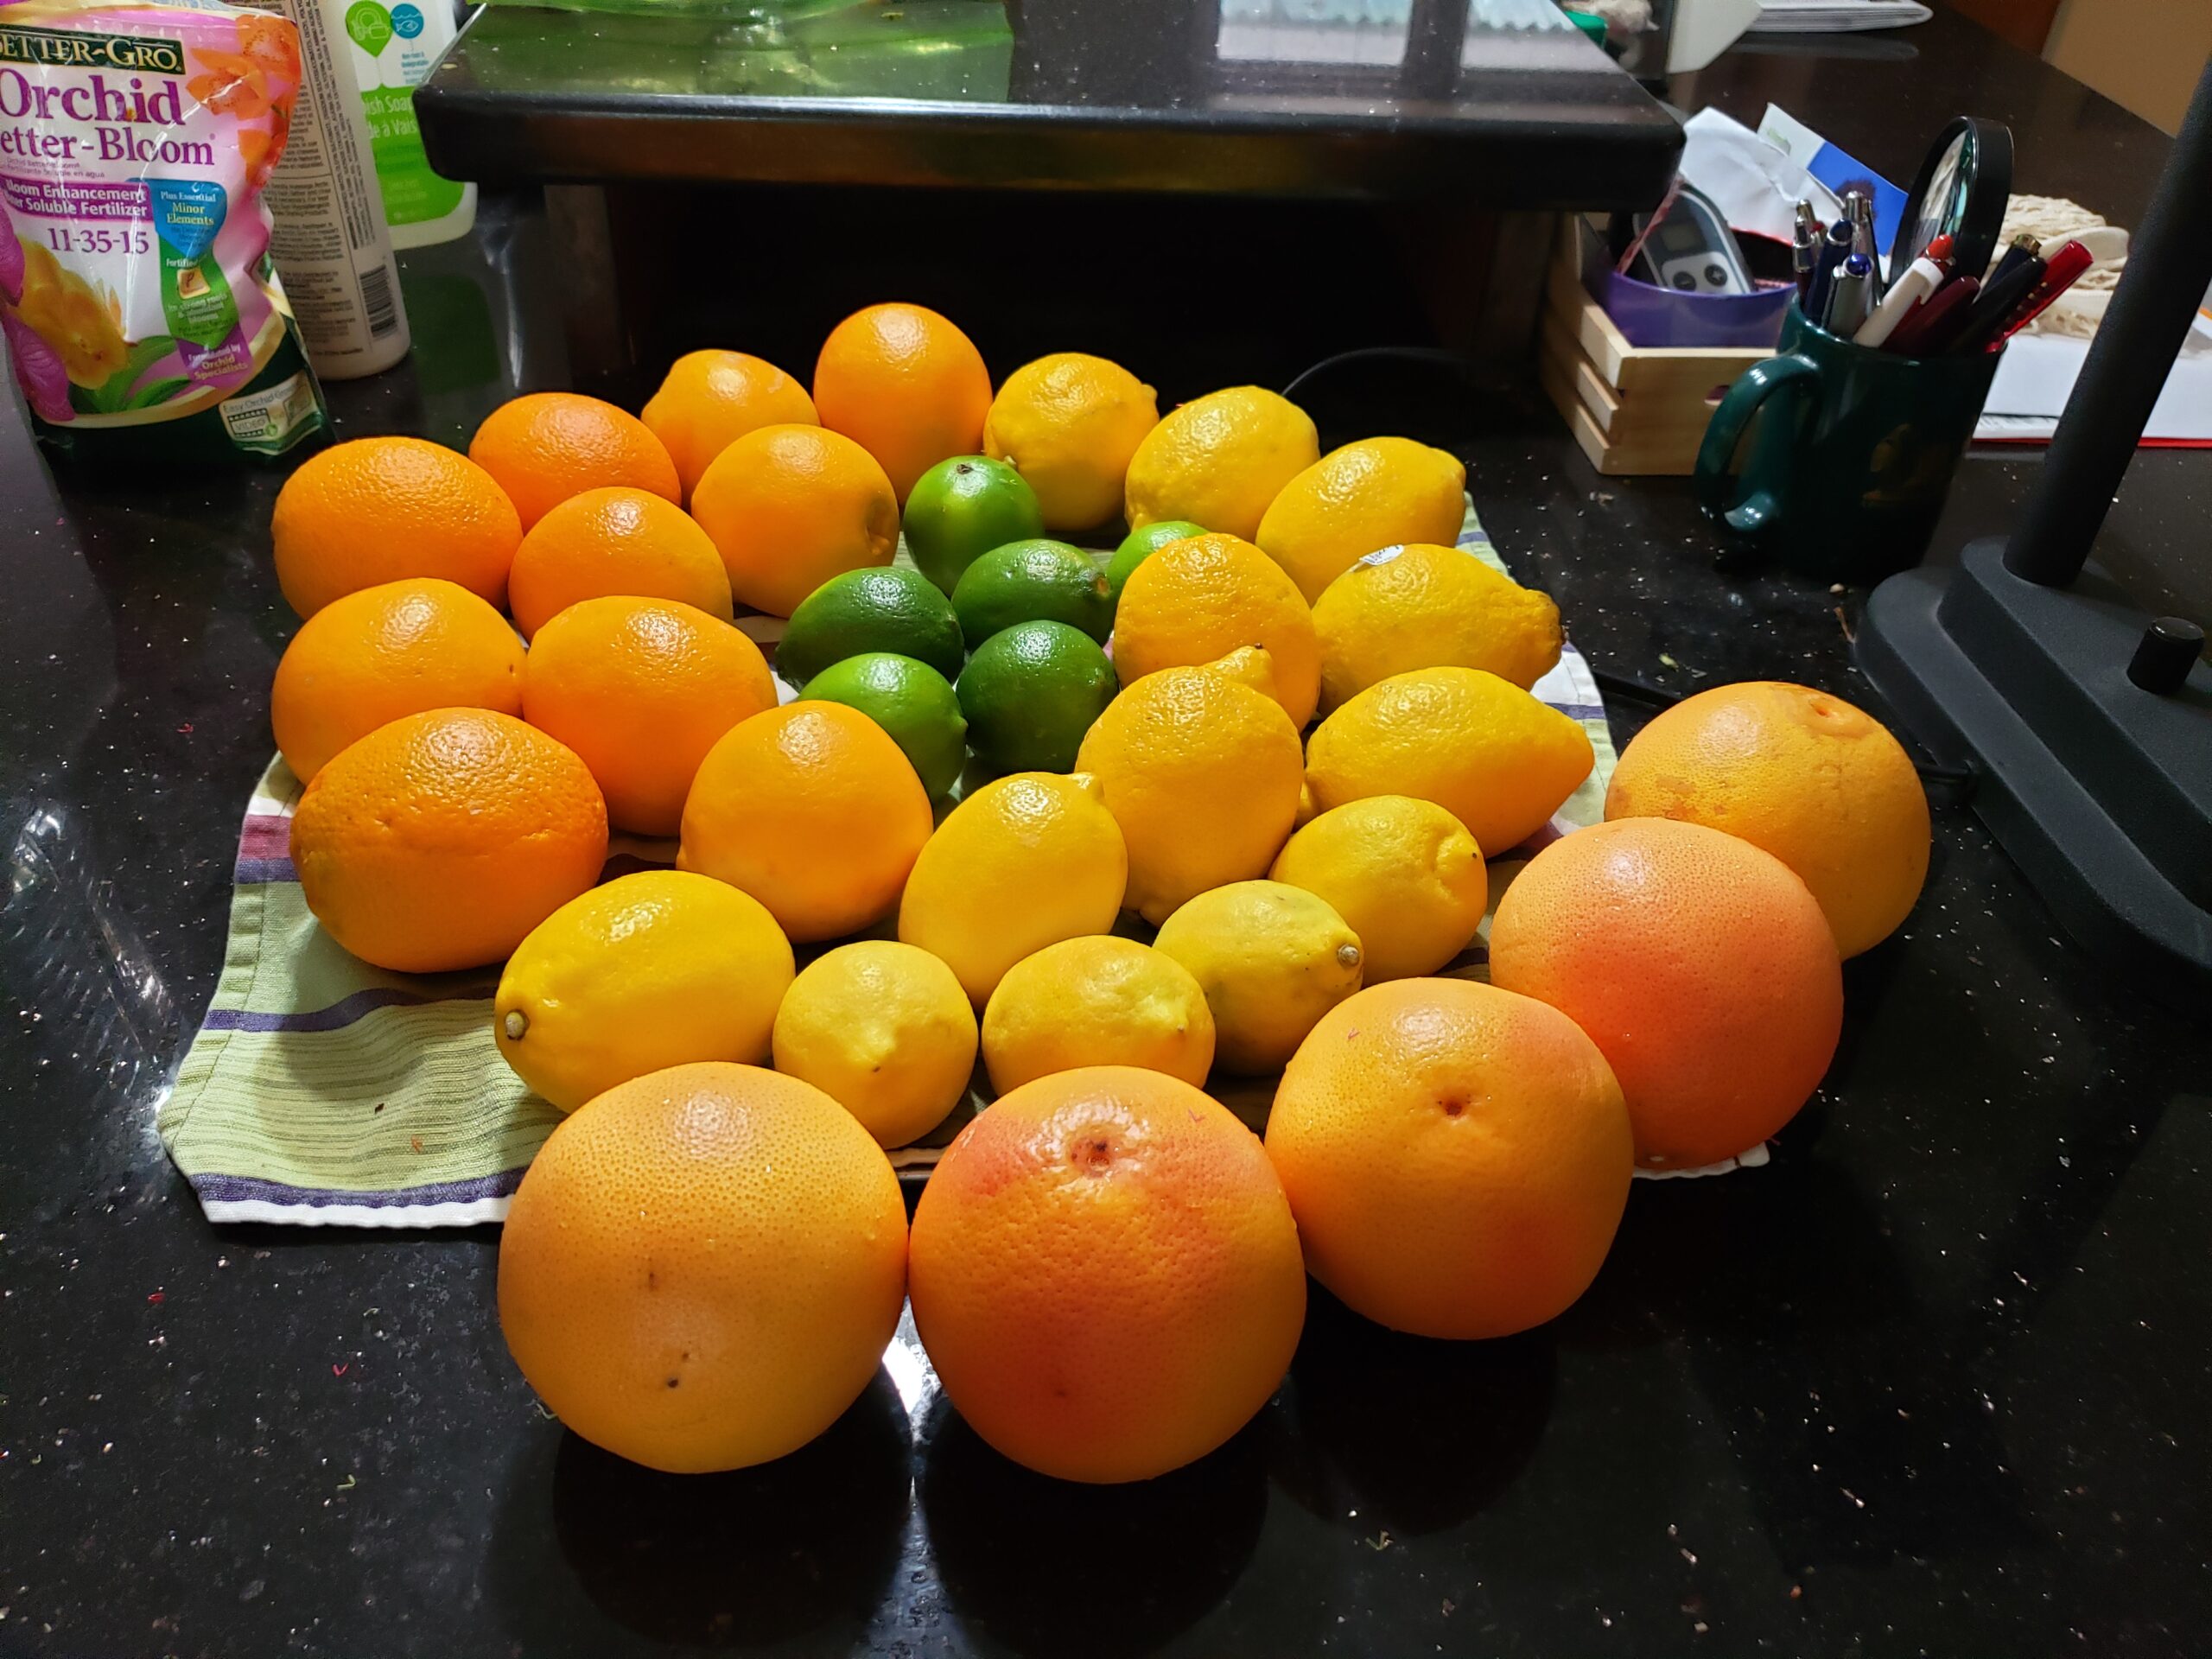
1196	600
617	540
544	446
641	688
704	1266
710	399
1821	784
814	811
377	510
908	384
791	506
1699	966
440	839
384	651
1105	1274
1458	1157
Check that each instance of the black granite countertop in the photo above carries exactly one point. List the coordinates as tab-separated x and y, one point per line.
1936	1380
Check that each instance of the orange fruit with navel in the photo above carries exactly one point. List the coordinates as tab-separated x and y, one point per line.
1806	776
616	540
397	648
379	509
789	507
1105	1273
709	399
544	446
440	839
905	385
812	809
1701	966
641	688
1458	1157
702	1266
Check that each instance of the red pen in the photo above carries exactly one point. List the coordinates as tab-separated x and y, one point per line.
2064	270
1929	326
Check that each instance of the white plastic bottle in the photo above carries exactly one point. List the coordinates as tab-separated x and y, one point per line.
394	42
328	240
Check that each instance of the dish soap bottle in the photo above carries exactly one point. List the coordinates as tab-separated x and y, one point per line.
329	237
393	44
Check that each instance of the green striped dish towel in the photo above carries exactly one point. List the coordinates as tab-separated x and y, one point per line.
321	1091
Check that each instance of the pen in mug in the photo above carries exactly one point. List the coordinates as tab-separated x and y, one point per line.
1833	248
2060	272
2006	291
1848	300
1931	323
1918	280
1804	249
2024	248
1858	209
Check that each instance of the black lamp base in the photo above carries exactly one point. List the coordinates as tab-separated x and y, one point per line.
2100	790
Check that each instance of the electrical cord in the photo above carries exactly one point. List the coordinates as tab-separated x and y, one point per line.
1432	354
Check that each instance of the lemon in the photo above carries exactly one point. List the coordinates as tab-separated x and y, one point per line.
1374	493
1205	595
1219	460
884	1030
1201	771
1097	1001
1480	747
1405	875
1025	861
1426	606
1272	960
1069	423
649	971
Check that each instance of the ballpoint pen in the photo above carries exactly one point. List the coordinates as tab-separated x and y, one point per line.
1935	320
1804	249
2060	272
1833	248
2006	291
1847	303
1915	283
1858	209
2024	248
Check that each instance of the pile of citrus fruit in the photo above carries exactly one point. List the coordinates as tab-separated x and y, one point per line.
1104	822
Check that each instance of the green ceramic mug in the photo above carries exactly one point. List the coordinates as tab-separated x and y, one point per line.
1846	453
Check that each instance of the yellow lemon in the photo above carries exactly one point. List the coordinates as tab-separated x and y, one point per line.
884	1030
1025	861
1480	747
1366	495
1202	773
1405	875
1271	958
1069	423
649	971
1197	599
1102	1001
1426	606
1219	460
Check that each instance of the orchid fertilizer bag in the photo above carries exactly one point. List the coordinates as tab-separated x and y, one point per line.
144	319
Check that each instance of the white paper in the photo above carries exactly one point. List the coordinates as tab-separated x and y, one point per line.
2037	374
1754	184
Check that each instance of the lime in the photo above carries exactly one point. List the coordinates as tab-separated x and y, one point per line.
911	701
1138	546
1032	581
877	609
962	508
1030	691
